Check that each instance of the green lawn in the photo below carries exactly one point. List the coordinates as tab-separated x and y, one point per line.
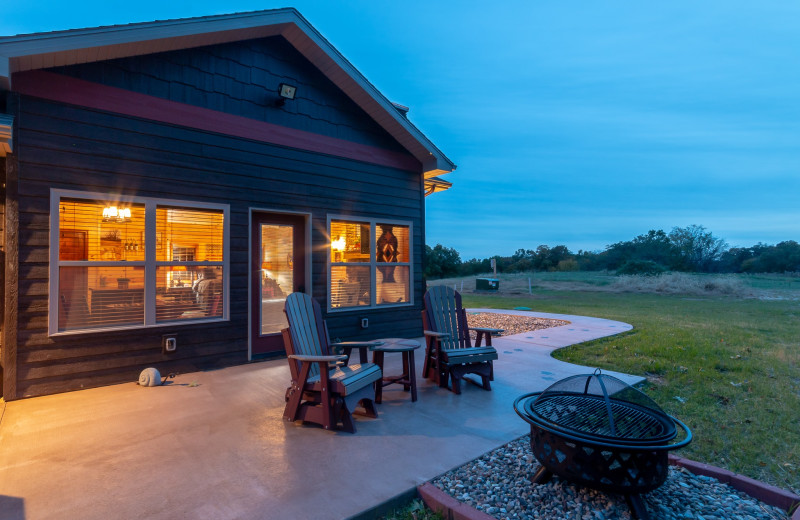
728	367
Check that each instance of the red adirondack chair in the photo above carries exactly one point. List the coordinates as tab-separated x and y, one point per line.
449	353
323	386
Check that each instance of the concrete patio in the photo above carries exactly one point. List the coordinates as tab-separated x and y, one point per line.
213	444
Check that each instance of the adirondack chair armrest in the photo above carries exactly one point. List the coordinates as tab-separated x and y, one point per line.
357	344
318	359
487	329
435	335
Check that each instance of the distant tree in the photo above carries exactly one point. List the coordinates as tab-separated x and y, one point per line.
569	264
654	246
475	266
780	258
590	260
546	258
733	260
441	262
697	249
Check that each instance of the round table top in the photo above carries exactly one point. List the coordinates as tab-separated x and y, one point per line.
396	345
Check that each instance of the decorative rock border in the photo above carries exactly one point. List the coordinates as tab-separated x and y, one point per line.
766	493
452	509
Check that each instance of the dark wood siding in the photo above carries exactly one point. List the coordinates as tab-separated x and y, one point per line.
74	148
242	78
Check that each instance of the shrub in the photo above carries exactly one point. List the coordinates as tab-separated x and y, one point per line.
570	264
641	267
682	283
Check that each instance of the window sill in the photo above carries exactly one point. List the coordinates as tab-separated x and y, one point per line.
172	324
363	308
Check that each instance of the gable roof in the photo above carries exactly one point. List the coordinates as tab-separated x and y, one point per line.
52	49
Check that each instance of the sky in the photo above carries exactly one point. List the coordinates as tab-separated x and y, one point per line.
572	123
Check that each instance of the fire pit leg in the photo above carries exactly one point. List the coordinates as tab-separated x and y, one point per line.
542	476
638	509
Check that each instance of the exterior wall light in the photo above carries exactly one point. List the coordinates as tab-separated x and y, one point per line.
286	92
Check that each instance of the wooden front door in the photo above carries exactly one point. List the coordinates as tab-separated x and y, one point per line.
278	260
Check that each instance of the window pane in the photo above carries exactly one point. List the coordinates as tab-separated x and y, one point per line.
91	297
188	292
392	243
350	286
392	284
349	241
183	233
100	231
277	275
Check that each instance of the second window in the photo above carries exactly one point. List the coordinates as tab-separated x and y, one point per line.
370	263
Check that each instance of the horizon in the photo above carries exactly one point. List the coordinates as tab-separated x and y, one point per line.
570	127
728	245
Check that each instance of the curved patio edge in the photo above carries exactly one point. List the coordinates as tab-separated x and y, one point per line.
450	508
580	329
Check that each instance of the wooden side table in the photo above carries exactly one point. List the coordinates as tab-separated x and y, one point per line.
362	346
408	378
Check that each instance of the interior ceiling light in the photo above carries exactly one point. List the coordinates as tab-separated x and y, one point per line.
115	214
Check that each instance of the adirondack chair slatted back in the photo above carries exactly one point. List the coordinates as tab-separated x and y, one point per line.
306	328
445	314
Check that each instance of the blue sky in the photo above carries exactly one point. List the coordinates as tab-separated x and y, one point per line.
572	123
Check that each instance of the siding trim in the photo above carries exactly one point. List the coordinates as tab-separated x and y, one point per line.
11	281
65	89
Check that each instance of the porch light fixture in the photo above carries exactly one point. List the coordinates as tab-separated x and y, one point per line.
286	91
115	214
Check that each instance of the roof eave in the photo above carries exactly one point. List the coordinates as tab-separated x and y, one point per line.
44	50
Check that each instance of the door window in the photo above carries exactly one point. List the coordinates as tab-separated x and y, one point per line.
277	275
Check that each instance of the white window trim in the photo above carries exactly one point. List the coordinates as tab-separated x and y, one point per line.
150	264
373	262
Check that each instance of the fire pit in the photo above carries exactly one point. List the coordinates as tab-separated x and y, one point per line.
597	431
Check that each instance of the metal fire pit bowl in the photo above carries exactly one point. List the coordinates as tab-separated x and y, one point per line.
597	431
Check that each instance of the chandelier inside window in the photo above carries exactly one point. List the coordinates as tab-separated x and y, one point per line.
115	214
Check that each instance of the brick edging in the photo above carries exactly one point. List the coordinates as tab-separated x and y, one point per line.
452	509
766	493
447	506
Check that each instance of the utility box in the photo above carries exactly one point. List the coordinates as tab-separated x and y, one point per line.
487	284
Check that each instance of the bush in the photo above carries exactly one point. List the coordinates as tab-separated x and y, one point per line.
641	267
569	264
683	283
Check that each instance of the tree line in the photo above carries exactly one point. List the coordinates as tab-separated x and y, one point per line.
689	249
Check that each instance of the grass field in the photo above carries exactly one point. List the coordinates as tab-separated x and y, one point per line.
721	354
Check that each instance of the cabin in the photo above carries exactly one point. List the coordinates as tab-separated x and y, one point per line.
167	184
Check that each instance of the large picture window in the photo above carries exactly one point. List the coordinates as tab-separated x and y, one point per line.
370	263
135	263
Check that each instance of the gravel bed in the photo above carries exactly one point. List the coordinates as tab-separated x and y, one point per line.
510	323
498	484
